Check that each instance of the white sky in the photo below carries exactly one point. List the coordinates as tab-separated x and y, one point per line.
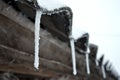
101	19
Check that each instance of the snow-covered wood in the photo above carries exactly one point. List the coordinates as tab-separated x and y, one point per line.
82	43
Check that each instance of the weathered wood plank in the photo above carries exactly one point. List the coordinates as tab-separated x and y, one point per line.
12	60
22	70
93	50
21	62
11	55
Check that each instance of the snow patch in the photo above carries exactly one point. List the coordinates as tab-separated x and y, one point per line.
50	4
78	34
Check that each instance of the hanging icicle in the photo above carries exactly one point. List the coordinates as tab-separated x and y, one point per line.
73	55
87	63
37	38
96	61
87	59
101	64
103	71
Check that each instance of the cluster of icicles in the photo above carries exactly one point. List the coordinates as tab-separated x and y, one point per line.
72	39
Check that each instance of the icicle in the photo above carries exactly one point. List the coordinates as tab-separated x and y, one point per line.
73	55
87	63
96	62
103	71
37	38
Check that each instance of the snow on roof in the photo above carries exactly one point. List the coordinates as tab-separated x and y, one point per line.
50	4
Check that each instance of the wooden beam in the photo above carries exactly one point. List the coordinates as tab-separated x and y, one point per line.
10	57
22	70
12	60
93	51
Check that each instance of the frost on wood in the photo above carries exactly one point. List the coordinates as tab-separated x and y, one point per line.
37	38
73	55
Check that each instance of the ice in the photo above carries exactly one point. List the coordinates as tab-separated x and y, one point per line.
73	55
103	71
37	38
87	63
87	59
102	67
